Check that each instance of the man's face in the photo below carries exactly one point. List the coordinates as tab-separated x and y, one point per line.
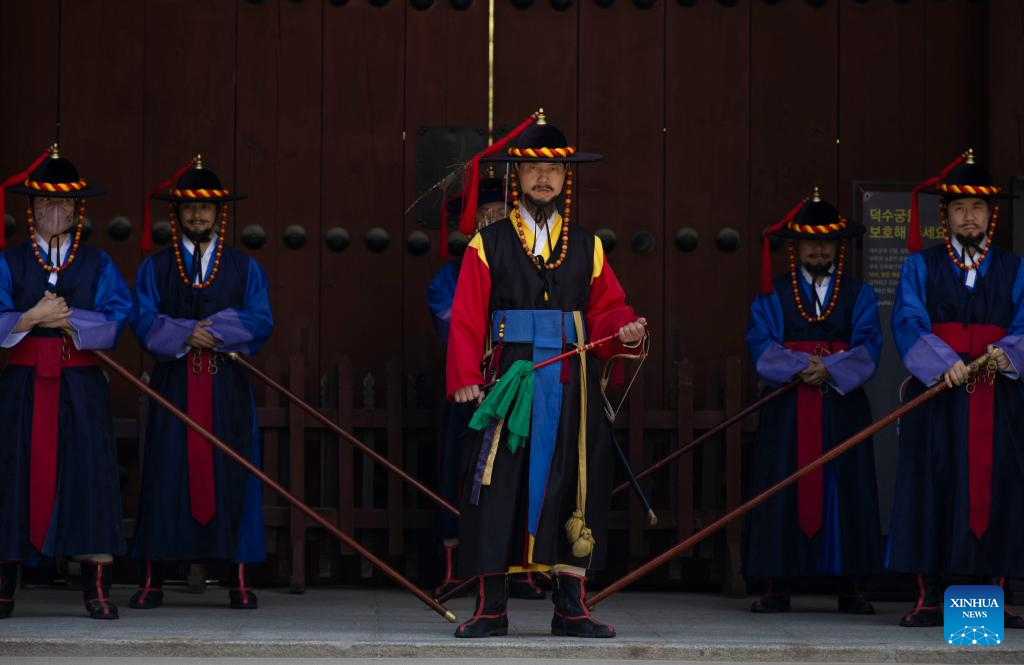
488	213
816	255
540	182
52	215
197	219
968	220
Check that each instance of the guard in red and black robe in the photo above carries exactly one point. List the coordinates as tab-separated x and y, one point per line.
537	285
59	299
195	302
820	325
960	474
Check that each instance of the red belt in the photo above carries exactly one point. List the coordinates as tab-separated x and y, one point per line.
809	434
972	340
48	355
202	365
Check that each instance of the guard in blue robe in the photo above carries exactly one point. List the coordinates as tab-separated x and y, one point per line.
819	324
960	469
197	505
59	299
492	206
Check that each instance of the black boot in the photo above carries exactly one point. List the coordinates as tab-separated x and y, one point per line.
449	582
8	585
851	598
1010	620
572	616
525	587
928	609
150	593
96	589
775	599
242	597
491	616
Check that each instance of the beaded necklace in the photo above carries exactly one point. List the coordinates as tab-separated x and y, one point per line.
216	257
980	256
74	243
518	221
794	281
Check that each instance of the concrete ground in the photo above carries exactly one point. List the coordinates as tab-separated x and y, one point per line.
49	625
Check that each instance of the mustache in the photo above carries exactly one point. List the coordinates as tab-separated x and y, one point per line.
818	269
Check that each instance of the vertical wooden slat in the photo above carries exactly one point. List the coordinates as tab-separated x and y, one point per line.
297	476
734	584
346	474
396	518
684	435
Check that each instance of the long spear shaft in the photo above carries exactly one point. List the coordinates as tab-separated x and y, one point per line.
269	482
725	424
745	508
334	427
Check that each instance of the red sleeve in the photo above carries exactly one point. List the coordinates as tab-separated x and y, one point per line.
468	323
607	311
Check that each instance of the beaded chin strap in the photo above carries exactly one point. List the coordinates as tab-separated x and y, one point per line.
982	253
518	221
74	243
216	258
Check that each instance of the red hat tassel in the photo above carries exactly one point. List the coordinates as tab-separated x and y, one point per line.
20	176
471	176
914	241
766	247
146	240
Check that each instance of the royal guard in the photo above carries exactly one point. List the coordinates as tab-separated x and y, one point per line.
195	302
818	325
492	205
59	299
538	492
961	455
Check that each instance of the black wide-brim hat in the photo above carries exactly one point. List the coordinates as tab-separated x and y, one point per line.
819	220
968	180
491	190
197	184
56	177
541	142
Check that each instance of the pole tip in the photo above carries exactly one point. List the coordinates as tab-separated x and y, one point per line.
450	616
652	518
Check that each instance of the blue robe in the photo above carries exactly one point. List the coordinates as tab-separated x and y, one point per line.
929	531
166	312
455	425
86	516
849	541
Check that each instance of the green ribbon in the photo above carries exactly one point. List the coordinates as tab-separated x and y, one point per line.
511	400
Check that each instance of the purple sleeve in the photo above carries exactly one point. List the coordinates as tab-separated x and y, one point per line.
8	321
93	330
1013	345
167	337
778	364
226	325
247	329
850	369
928	358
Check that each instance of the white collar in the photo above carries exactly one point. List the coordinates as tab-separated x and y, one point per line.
191	248
44	247
810	278
959	248
528	218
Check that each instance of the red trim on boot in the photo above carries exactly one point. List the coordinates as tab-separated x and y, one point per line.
147	586
583	601
449	551
99	587
242	589
480	603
